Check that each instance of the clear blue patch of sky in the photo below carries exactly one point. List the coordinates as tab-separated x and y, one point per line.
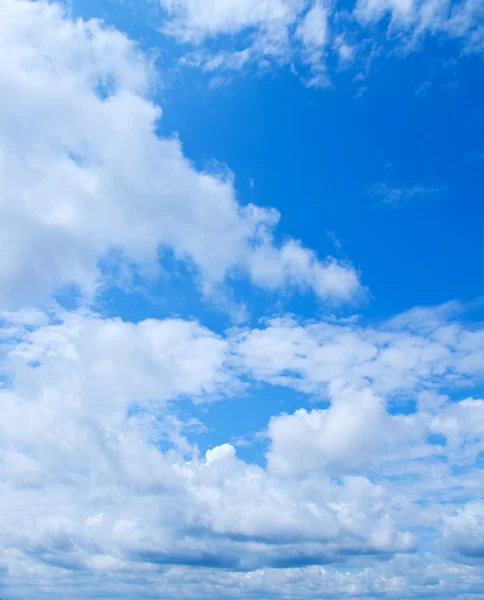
240	418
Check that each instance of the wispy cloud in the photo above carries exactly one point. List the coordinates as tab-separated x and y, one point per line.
312	33
398	196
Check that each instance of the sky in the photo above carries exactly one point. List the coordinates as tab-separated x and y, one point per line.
241	299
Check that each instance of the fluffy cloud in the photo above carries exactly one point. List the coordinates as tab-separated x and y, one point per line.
343	438
463	532
383	414
192	19
76	380
85	176
313	27
421	349
82	419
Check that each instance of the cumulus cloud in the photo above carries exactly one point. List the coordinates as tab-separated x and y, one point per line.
383	412
82	419
464	530
84	416
343	438
425	348
85	175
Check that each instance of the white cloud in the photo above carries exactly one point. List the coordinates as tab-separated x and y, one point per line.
108	499
462	426
373	10
416	18
84	174
194	19
464	531
277	32
424	348
313	29
397	196
294	265
358	434
410	575
83	416
75	381
371	377
344	438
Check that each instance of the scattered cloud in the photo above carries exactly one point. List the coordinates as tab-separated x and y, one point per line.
398	196
275	32
334	239
423	89
313	33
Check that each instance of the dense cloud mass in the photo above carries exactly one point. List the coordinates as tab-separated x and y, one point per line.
84	411
72	426
371	488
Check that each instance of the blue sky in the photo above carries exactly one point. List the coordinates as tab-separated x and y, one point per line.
242	350
416	131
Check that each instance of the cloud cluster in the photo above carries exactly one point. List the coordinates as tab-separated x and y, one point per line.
317	33
86	178
417	18
424	347
84	422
